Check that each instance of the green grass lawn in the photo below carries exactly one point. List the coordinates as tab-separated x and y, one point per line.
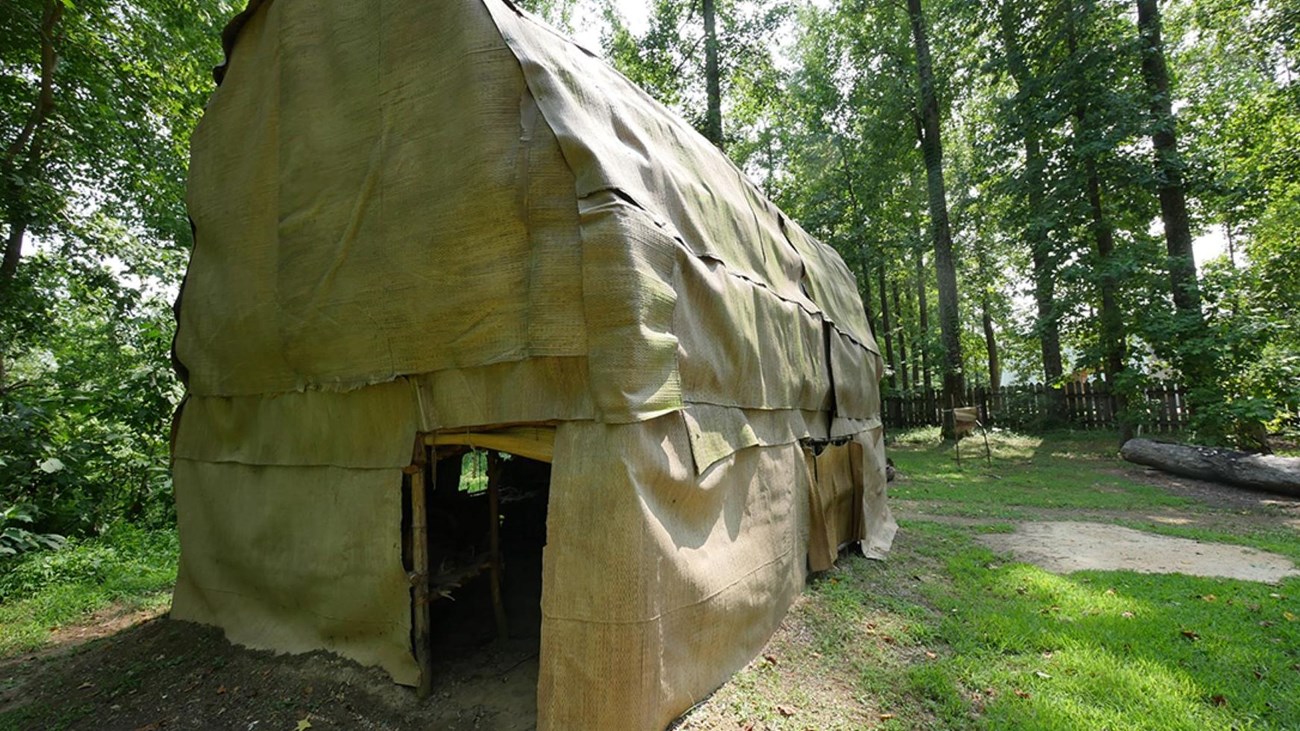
1062	470
127	568
947	634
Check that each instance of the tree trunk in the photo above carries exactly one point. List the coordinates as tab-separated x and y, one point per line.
912	337
1047	324
13	251
954	382
713	84
865	282
886	327
1110	320
1260	472
902	337
1112	336
991	343
30	145
1169	167
923	316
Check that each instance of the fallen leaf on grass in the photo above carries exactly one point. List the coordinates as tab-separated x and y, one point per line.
1259	675
1210	597
1022	693
931	655
786	711
886	716
1193	636
85	685
1126	615
771	659
1219	700
303	725
1289	616
1042	675
1110	592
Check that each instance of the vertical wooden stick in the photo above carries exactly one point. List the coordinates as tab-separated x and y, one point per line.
420	570
494	543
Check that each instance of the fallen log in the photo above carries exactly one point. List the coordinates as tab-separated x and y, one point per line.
1257	471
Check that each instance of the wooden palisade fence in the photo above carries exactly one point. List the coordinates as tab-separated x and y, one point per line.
1083	405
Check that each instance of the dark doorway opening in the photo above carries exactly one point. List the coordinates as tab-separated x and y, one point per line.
485	513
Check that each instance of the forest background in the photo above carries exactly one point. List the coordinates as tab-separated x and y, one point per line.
1018	186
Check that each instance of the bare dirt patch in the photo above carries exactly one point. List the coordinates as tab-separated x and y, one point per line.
1215	494
103	623
163	674
1063	547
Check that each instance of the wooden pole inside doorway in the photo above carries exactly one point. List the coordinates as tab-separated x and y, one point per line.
420	487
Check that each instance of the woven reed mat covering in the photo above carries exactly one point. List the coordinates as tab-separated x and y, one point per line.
415	220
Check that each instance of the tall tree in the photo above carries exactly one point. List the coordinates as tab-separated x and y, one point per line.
22	167
1111	333
712	80
954	382
1168	165
923	314
1037	218
886	326
902	337
709	60
97	100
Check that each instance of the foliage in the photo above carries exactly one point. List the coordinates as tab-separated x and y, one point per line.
84	423
97	101
44	589
668	61
16	539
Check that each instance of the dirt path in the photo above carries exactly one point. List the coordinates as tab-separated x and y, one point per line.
1066	546
1066	540
161	674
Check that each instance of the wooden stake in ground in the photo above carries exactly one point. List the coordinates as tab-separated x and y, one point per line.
420	477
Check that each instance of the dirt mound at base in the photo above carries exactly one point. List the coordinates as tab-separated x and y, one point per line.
1062	547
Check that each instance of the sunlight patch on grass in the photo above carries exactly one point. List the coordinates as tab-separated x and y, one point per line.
1119	649
1041	474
